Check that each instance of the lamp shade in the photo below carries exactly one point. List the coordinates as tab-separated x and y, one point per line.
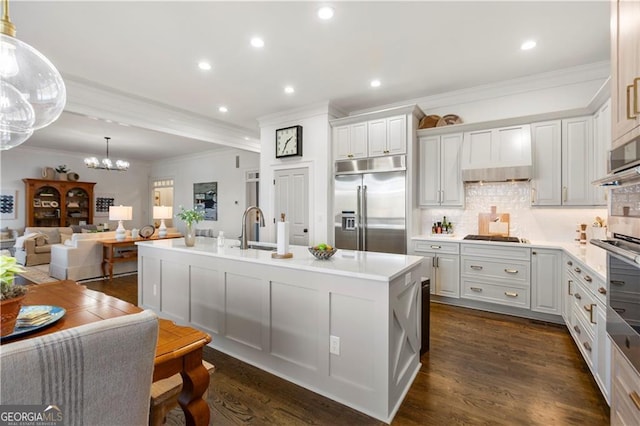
120	213
162	212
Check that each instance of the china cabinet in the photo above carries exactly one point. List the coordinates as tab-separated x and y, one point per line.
58	203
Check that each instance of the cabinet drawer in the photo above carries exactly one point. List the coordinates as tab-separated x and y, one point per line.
513	272
593	283
495	293
436	246
497	251
625	384
584	337
585	305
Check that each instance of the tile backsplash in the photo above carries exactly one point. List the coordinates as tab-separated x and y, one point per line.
535	223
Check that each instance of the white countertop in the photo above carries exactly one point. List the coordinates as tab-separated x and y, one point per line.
361	264
591	256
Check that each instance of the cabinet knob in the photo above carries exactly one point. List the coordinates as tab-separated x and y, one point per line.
602	290
587	278
570	263
578	270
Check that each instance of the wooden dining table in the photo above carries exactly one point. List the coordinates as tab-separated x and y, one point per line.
179	349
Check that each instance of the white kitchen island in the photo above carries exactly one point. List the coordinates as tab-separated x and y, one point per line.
281	314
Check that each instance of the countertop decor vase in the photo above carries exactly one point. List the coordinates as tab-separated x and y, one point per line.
189	236
10	294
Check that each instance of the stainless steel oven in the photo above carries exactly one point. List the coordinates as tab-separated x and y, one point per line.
623	250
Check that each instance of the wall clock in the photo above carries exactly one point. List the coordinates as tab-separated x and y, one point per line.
289	142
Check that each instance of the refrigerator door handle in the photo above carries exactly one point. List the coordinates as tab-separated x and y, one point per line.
359	217
364	217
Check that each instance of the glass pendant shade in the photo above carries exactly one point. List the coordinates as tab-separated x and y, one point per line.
32	93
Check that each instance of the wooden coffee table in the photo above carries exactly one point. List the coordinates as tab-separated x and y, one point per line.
179	349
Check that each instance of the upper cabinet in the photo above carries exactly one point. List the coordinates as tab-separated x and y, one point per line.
501	147
625	70
568	155
376	134
440	183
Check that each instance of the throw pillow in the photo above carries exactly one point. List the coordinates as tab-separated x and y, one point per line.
53	235
41	240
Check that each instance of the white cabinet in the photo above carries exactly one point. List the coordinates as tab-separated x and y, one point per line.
502	147
441	265
440	180
350	141
546	182
546	272
625	391
601	145
387	136
625	70
567	158
587	320
577	154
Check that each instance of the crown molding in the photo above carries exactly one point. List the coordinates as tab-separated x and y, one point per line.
379	113
90	99
297	114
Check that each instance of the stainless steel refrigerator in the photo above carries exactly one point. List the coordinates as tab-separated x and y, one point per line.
369	204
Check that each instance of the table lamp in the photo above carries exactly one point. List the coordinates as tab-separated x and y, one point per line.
162	213
120	213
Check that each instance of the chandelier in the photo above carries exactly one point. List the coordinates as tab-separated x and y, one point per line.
32	93
106	163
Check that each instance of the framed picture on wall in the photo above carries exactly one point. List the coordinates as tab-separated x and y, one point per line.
8	204
205	198
102	204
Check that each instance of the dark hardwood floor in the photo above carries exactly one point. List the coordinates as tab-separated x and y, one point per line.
482	369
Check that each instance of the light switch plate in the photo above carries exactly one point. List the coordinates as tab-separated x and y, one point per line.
334	345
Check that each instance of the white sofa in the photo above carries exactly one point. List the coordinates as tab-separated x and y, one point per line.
80	257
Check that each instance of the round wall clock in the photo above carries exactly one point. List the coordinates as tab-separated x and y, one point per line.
289	142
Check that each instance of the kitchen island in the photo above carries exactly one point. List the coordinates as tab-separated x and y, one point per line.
347	328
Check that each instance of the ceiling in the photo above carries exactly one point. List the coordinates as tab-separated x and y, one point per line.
151	49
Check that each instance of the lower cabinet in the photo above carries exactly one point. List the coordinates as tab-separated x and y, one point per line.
585	315
625	391
546	272
441	265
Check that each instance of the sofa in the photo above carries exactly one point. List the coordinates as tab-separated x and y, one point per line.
34	247
80	257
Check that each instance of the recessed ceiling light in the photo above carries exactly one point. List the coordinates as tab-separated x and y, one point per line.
325	12
223	109
289	89
257	42
528	45
375	83
204	65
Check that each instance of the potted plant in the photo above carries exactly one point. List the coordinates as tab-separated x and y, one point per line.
189	217
11	295
62	171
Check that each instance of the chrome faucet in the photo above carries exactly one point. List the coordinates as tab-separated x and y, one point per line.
244	244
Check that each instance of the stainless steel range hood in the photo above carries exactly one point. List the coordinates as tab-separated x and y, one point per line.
498	174
625	177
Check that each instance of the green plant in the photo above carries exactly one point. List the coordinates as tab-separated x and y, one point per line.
8	269
190	216
62	168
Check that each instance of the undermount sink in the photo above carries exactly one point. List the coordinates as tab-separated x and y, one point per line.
261	247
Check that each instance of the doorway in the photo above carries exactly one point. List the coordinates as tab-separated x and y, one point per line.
252	195
162	195
292	199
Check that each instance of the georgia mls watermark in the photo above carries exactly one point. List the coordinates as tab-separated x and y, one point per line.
31	415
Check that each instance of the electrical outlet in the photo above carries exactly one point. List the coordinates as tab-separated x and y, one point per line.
155	289
334	345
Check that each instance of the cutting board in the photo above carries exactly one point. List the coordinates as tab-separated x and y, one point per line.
493	224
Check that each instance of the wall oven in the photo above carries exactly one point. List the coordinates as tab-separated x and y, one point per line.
623	250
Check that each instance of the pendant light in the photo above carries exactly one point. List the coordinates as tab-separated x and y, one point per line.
32	93
106	163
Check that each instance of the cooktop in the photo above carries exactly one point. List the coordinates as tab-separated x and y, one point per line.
498	238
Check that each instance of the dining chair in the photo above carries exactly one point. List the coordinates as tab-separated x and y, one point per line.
96	374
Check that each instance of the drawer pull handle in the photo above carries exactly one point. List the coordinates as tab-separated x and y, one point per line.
476	267
569	282
510	294
436	247
617	282
476	289
577	329
511	271
577	296
602	290
635	398
570	263
619	310
587	346
590	309
587	278
629	115
578	270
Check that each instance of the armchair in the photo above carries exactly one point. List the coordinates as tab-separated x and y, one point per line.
99	373
34	247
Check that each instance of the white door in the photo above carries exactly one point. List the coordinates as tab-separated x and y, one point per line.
292	199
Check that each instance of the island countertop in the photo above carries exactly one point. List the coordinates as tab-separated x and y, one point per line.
367	265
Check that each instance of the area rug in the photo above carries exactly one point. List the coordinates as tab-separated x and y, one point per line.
38	274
